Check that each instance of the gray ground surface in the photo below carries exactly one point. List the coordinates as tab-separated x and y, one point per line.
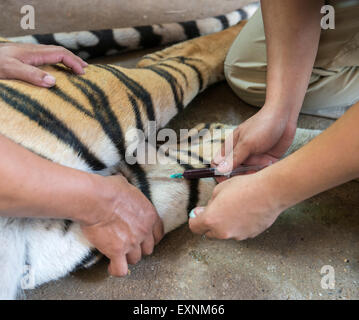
282	263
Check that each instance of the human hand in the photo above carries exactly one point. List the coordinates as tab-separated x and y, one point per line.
240	208
20	62
130	229
260	140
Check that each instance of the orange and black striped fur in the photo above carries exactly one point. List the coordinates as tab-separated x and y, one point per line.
82	123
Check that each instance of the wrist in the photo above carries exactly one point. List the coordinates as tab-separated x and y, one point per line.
288	112
99	196
279	193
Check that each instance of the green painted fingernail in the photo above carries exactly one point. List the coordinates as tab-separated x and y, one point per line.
192	214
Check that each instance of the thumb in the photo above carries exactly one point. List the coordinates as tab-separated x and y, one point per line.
30	74
234	159
226	148
197	222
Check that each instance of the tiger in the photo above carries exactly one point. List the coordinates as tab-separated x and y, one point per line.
82	123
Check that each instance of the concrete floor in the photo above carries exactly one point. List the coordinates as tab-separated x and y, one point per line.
282	263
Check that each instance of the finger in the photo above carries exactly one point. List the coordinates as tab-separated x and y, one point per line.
239	154
158	231
197	222
118	266
30	74
58	55
65	52
148	245
220	179
226	148
211	235
73	63
264	160
134	255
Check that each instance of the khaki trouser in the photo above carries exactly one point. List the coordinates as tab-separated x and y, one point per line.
334	84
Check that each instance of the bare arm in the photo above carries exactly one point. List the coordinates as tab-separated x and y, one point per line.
31	186
243	207
329	160
292	31
115	216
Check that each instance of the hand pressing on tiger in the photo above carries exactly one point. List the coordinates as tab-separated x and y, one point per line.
20	62
126	232
114	215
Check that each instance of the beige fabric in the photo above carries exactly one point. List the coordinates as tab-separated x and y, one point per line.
334	84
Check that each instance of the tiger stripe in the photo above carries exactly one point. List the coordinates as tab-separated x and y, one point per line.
224	21
148	39
137	89
67	98
49	122
191	29
172	81
136	111
244	15
110	124
183	60
102	111
179	71
193	185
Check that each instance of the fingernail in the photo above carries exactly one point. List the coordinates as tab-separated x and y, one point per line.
192	215
195	212
49	80
223	166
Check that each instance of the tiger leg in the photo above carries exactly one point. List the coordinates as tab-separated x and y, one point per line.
204	55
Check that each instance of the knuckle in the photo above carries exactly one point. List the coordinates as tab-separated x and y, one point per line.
5	66
132	242
245	143
209	223
237	131
65	51
35	74
152	214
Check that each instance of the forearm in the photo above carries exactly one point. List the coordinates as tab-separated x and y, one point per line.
329	160
292	30
31	186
